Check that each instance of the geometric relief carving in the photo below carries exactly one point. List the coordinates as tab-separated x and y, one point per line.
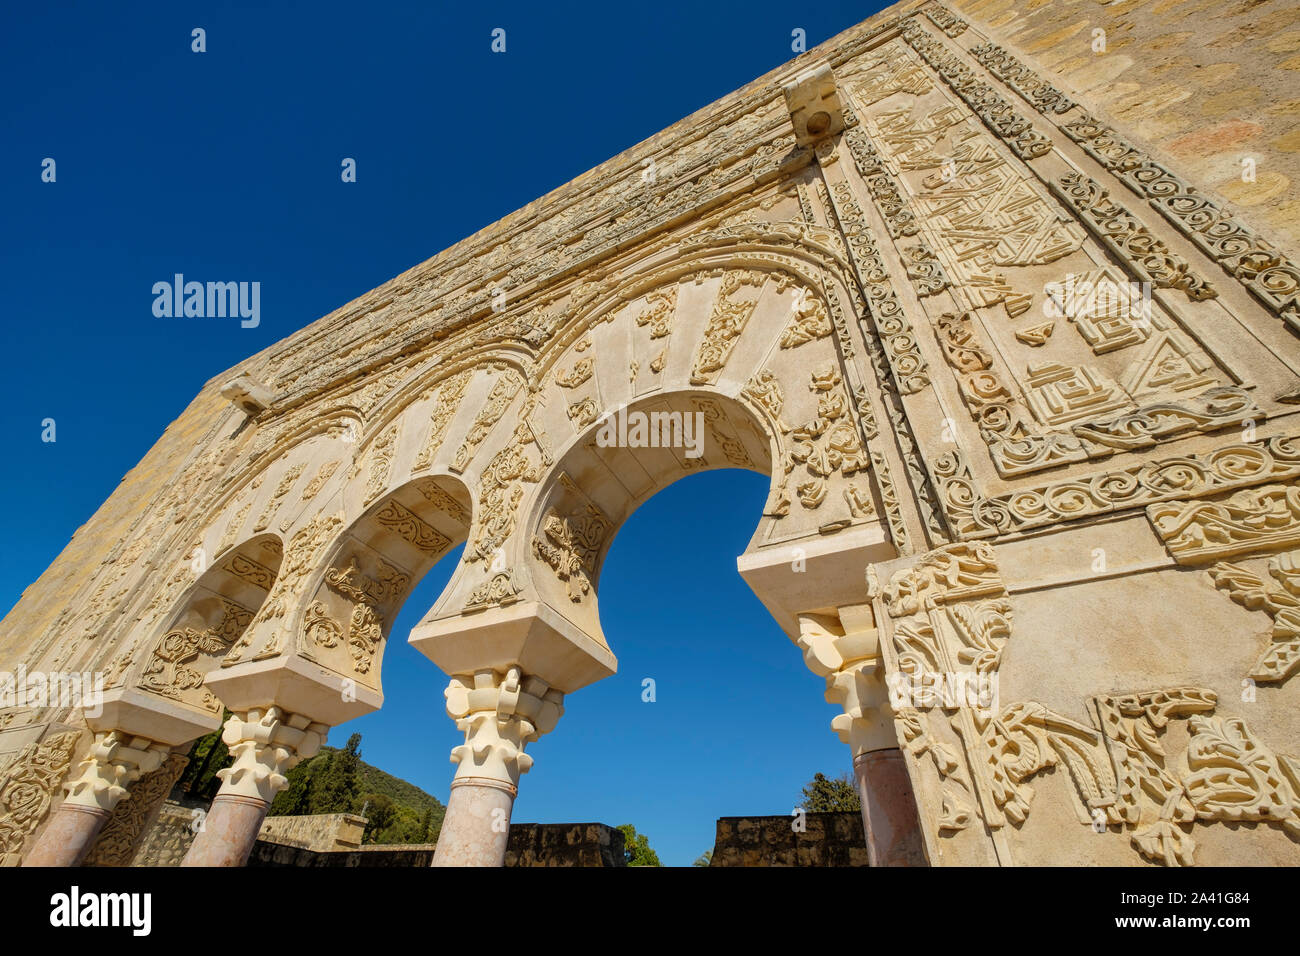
889	71
988	215
1109	313
1170	361
1059	394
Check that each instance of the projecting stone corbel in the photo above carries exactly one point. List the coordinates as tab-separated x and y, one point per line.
248	393
815	108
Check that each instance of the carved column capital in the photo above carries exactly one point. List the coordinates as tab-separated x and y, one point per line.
114	762
499	714
266	743
846	653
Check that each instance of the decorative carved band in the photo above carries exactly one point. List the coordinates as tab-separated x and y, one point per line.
1255	263
1125	236
997	114
1033	89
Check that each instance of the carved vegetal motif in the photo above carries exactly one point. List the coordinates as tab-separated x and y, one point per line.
997	114
951	615
825	445
1280	599
946	20
365	630
28	789
571	546
121	835
233	526
1032	88
727	321
499	398
1254	519
810	321
250	571
281	490
765	391
381	464
722	434
169	672
1148	425
924	269
1244	255
1238	465
583	412
498	590
323	475
500	492
411	528
442	500
580	373
1126	236
299	560
660	307
445	402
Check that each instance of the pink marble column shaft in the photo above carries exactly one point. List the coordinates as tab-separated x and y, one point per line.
889	809
477	825
229	831
68	837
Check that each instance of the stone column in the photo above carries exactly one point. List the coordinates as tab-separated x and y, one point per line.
266	744
845	651
499	715
114	762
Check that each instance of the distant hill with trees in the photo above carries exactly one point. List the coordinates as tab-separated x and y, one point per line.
336	780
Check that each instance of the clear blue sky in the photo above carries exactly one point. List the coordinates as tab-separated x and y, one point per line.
225	165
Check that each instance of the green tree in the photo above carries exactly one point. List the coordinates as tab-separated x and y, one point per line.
636	848
339	785
825	794
704	859
380	814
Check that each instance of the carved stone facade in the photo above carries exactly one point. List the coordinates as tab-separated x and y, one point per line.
997	351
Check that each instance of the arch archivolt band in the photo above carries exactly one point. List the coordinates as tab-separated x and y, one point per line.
986	454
